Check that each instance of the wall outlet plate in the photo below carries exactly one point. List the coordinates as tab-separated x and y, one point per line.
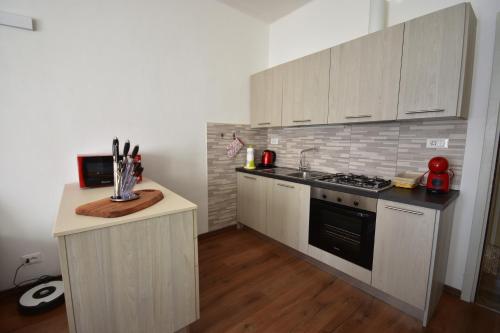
275	140
32	258
437	143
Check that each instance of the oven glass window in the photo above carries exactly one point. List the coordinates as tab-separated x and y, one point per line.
343	231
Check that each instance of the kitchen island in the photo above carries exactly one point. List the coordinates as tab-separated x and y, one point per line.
135	273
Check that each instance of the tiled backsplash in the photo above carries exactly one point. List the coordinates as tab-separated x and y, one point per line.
414	156
333	141
377	149
221	175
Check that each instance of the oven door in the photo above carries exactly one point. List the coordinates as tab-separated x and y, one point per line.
343	231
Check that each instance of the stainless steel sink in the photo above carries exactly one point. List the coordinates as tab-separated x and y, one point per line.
306	174
279	171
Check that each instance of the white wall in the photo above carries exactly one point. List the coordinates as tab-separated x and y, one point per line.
309	19
152	71
316	26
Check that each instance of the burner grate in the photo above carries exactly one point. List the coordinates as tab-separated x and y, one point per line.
361	181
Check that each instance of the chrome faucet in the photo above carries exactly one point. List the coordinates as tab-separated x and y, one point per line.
303	165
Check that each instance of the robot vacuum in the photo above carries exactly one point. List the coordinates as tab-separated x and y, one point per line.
42	297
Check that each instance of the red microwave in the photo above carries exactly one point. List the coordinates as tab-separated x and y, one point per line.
97	170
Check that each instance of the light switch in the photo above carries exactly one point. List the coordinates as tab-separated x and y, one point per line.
437	143
275	140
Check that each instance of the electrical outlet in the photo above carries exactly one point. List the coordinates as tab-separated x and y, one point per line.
275	140
437	143
32	258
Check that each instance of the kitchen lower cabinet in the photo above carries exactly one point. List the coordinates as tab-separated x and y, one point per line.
410	249
436	71
252	201
411	253
288	213
276	208
364	79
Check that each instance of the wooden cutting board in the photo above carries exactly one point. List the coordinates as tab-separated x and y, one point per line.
107	208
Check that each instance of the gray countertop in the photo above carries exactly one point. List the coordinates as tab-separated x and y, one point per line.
418	196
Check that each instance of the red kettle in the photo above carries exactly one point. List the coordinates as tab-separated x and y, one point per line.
268	158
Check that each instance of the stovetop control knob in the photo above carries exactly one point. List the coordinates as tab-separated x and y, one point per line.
356	203
324	196
339	199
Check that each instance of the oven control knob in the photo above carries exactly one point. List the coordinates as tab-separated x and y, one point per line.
339	199
324	196
356	203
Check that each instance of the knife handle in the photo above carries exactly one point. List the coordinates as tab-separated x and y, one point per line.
116	172
135	151
138	171
126	148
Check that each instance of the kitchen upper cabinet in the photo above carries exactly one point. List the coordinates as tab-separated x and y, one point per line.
364	77
266	95
419	69
252	201
437	63
288	214
305	90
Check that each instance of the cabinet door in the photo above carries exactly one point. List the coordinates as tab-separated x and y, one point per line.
252	201
266	95
134	277
305	90
403	248
432	63
364	80
288	214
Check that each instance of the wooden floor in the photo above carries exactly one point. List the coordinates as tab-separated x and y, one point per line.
11	321
251	284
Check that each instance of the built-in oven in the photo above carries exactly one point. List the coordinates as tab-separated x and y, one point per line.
343	224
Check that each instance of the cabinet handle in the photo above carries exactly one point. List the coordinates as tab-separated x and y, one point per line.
285	185
302	121
248	177
360	116
425	111
268	123
404	210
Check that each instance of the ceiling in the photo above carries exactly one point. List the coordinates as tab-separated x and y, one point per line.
266	10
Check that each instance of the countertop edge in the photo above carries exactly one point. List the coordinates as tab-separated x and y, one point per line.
452	196
327	186
110	222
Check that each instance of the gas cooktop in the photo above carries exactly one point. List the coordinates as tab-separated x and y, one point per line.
375	184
